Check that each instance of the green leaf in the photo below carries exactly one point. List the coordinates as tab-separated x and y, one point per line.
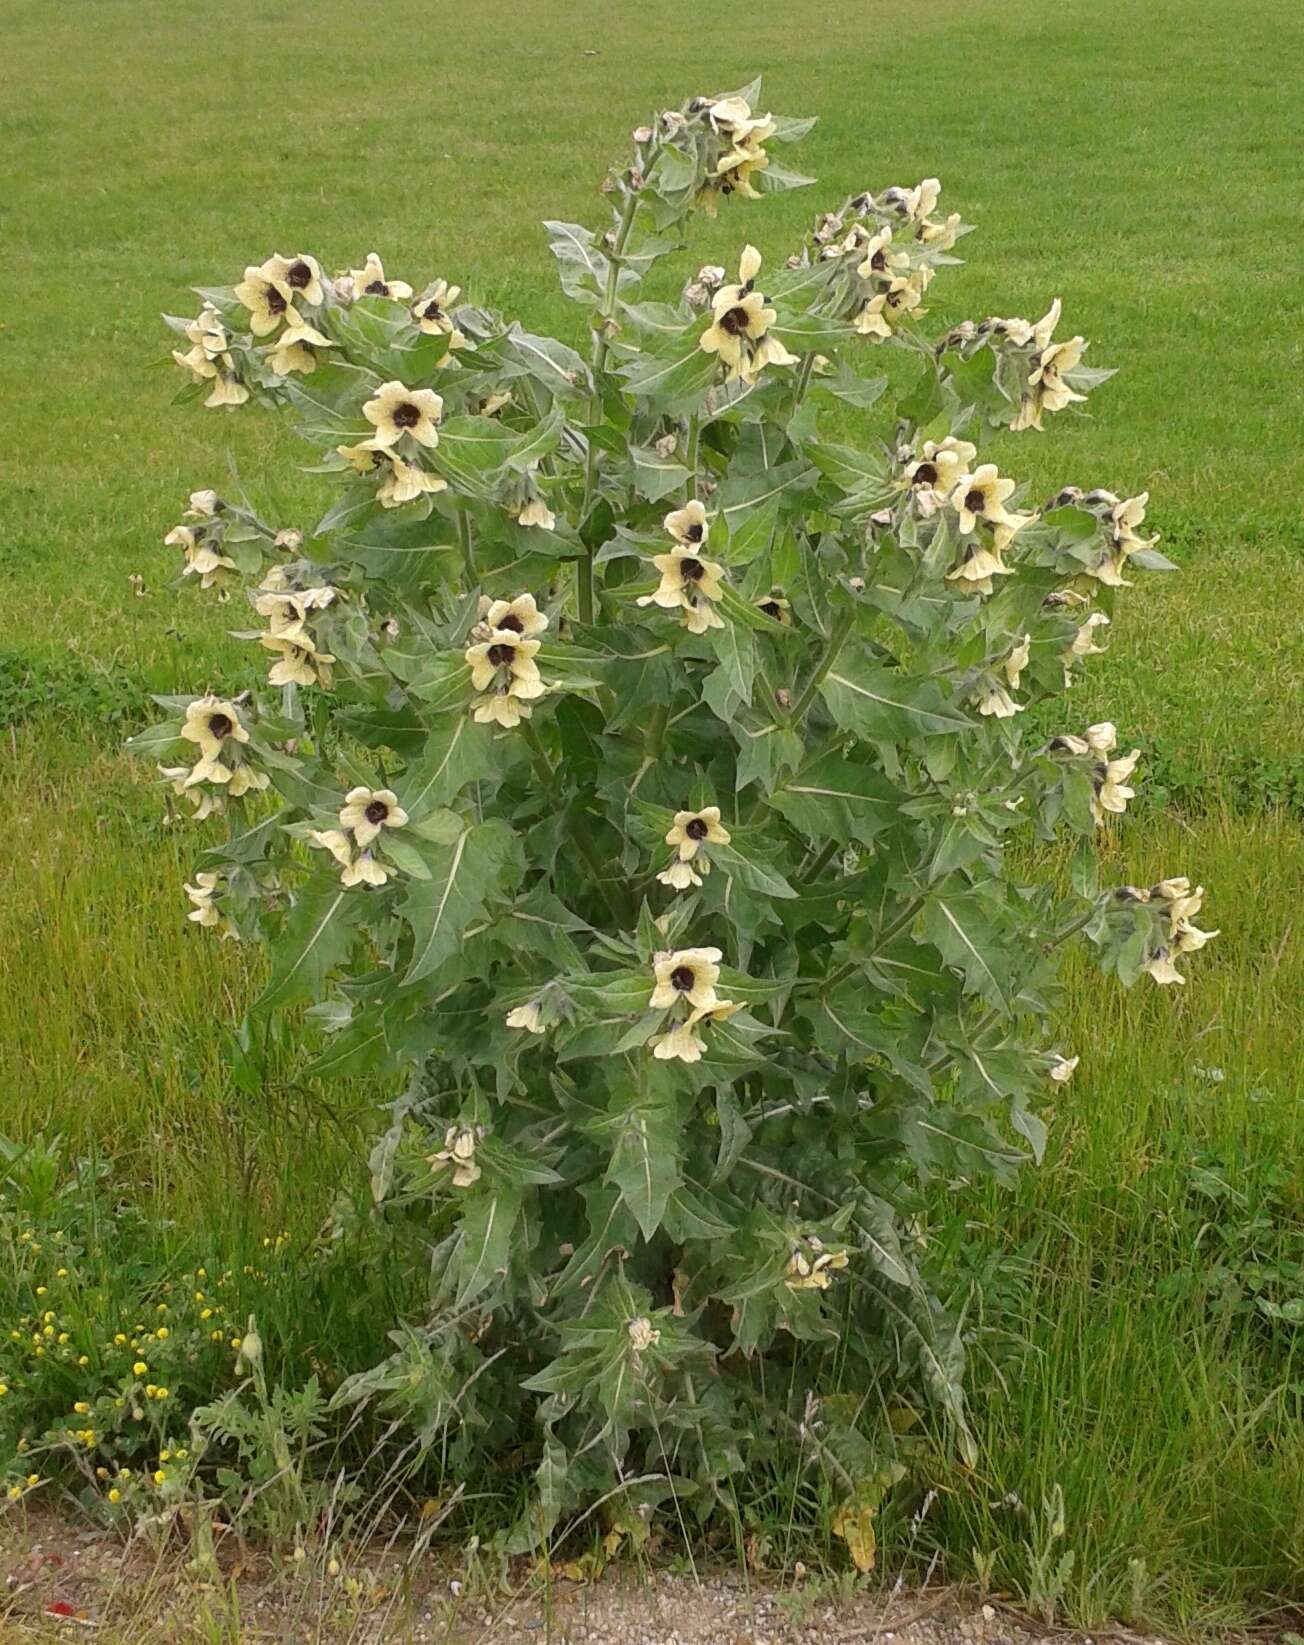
734	646
675	379
656	477
960	925
838	798
882	705
464	874
316	938
486	1240
458	750
645	1158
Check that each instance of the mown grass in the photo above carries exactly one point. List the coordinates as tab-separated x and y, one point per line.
1130	162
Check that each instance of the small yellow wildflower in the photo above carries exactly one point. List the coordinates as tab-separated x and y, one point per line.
160	1393
165	1456
41	1290
160	1478
33	1479
115	1495
15	1493
162	1333
139	1368
81	1408
61	1273
4	1389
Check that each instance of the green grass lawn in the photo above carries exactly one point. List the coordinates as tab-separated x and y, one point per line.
1134	161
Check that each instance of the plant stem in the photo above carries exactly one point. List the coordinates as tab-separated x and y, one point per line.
885	936
837	639
803	378
821	862
690	459
600	346
548	778
468	547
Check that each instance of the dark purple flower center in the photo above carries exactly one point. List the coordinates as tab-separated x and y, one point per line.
432	310
694	533
682	979
276	304
925	474
691	571
376	288
735	321
975	501
299	275
376	812
406	415
512	622
772	608
220	725
501	655
696	829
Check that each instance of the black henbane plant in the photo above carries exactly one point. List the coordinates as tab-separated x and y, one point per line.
632	804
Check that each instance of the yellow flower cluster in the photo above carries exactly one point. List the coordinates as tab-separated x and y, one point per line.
406	423
741	152
364	817
684	984
201	544
209	360
689	584
811	1265
501	657
269	292
689	834
289	612
739	333
222	768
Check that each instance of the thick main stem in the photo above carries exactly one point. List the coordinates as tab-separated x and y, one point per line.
600	346
837	639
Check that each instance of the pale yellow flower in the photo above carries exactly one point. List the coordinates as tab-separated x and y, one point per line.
940	464
642	1335
403	482
735	169
209	361
688	584
246	779
370	281
981	496
205	913
210	723
1017	661
688	525
460	1142
679	876
204	559
812	1269
364	870
204	505
733	325
997	702
1083	643
1061	1070
300	277
337	843
519	616
1101	738
686	974
732	117
693	829
505	656
739	333
879	315
528	1017
293	349
535	512
366	811
1111	790
978	565
430	311
398	410
300	665
501	709
1161	968
879	259
269	302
